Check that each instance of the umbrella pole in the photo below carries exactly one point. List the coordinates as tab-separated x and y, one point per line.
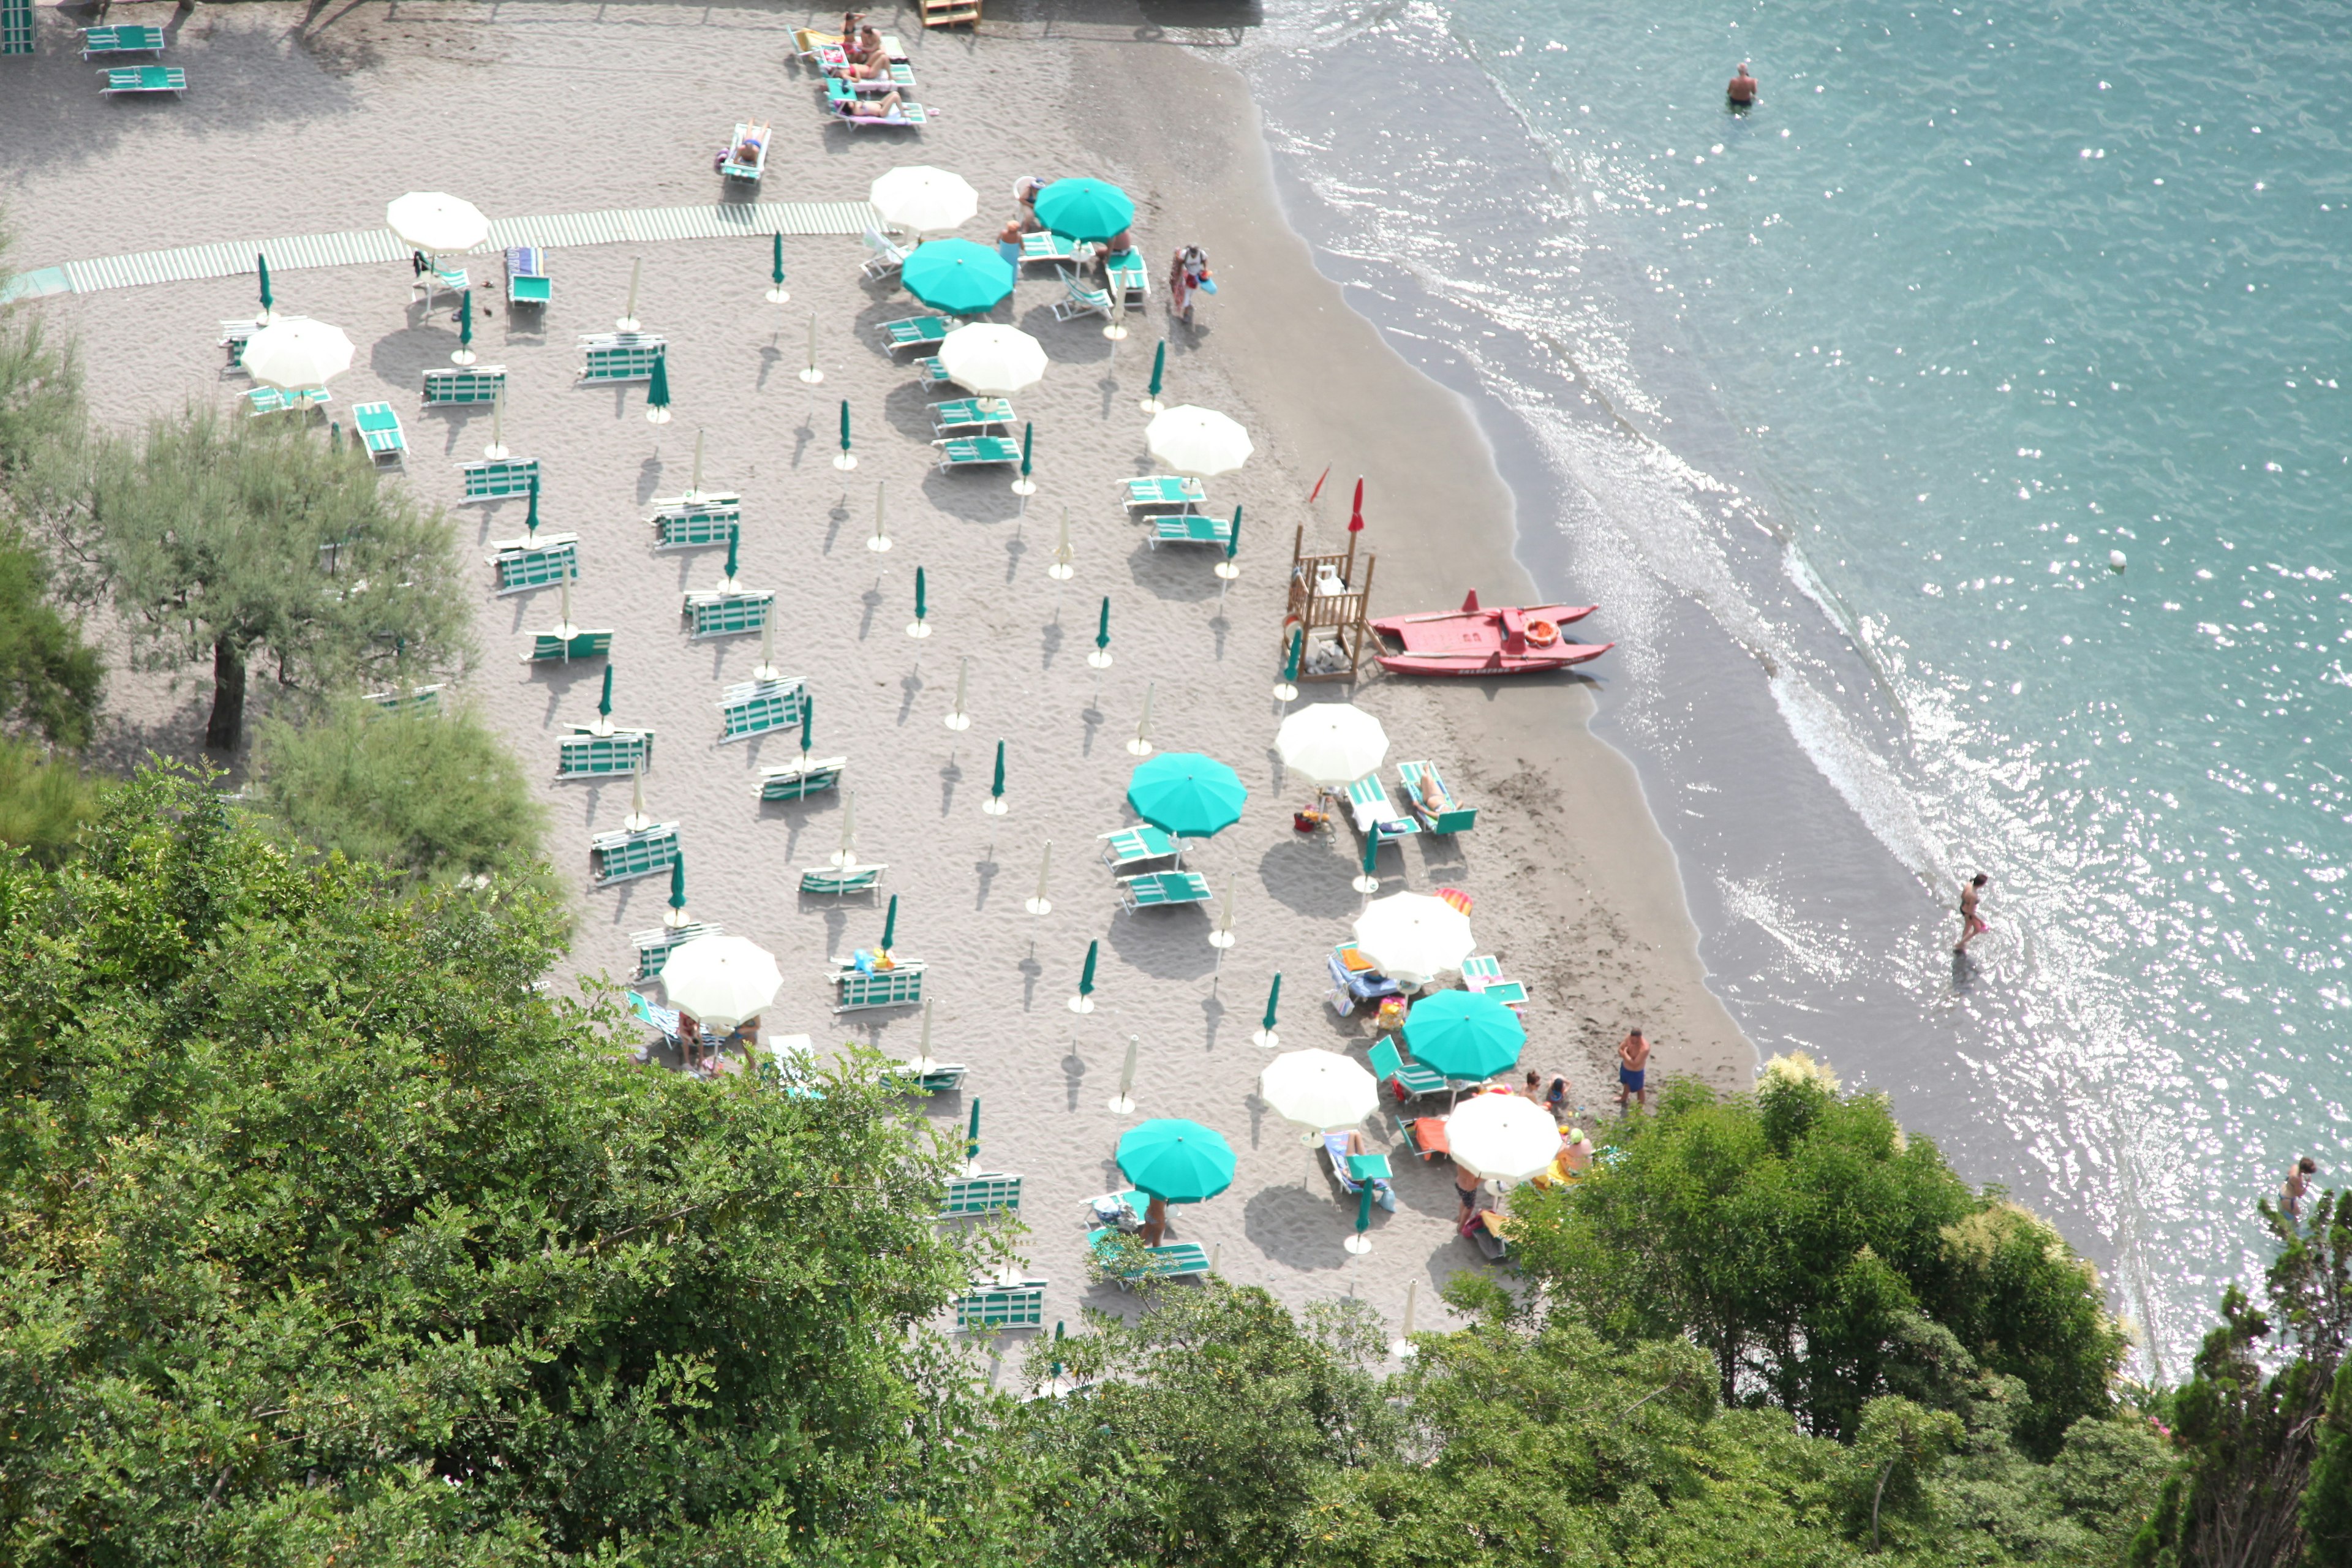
958	720
1141	746
1123	1102
880	543
1061	571
497	447
1041	904
810	372
628	321
1402	1347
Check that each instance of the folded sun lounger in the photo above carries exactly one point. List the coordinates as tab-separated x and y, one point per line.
794	781
145	78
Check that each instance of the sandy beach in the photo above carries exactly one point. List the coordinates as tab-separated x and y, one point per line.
302	120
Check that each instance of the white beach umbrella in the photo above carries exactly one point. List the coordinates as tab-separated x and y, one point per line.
1413	938
990	361
1505	1137
437	223
295	353
721	979
1318	1090
1333	743
1201	442
923	200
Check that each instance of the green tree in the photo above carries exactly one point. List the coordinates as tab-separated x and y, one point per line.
249	540
431	794
327	1237
50	679
41	416
43	800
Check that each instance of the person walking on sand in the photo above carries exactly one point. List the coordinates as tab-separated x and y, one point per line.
1742	90
1971	926
1632	1068
2297	1182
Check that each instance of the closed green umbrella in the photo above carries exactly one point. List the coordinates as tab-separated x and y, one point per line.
1086	209
921	606
808	721
1273	997
1234	538
1102	628
605	703
890	924
848	459
1463	1033
957	277
1084	1002
777	296
531	518
734	538
261	264
1186	794
657	392
1159	366
465	354
678	885
1175	1160
996	784
971	1135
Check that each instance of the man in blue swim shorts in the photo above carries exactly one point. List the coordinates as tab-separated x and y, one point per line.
1632	1062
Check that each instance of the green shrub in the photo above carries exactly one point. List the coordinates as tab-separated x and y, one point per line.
43	801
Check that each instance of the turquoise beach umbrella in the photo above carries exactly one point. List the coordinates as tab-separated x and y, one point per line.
1186	794
957	277
1463	1033
1085	210
1176	1161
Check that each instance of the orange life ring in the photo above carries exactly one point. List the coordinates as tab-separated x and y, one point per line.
1542	634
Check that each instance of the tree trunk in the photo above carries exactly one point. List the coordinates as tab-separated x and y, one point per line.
227	725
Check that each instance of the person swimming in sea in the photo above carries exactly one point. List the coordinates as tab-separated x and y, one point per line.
1742	90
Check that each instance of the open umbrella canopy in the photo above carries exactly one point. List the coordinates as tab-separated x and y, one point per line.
1463	1033
1504	1136
294	352
923	200
1176	1161
435	222
957	276
990	361
721	979
1201	442
1333	743
1186	794
1086	209
1318	1090
1415	938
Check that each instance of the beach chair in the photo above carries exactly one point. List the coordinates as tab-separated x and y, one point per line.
839	881
625	856
1374	813
984	1191
968	414
379	426
977	452
1351	1171
1355	984
1134	846
620	356
123	40
1129	279
915	332
1174	1260
438	280
809	42
1162	492
991	1305
1424	1135
1121	1211
1406	1080
706	616
757	137
898	987
553	648
527	279
1451	817
499	479
939	1078
654	947
755	707
232	338
145	78
932	370
467	386
842	107
1191	527
420	700
583	755
887	257
1082	300
1046	246
797	781
1483	972
276	400
1162	889
680	523
543	563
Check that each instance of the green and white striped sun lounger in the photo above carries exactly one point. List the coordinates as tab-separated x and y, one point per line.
1189	528
654	947
1082	300
582	755
145	78
682	524
1454	817
1162	492
1484	972
1375	814
1176	1260
726	615
527	281
456	386
557	648
756	707
1048	246
275	400
620	356
901	986
837	880
623	856
944	1077
1162	889
1133	845
425	699
497	479
964	414
1388	1066
840	99
987	1306
123	40
931	370
379	426
977	452
550	559
1129	279
437	279
916	332
794	781
981	1192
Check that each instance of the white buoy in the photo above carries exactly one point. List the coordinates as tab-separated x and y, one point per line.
2116	558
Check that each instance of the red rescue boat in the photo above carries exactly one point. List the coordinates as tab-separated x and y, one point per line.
1475	641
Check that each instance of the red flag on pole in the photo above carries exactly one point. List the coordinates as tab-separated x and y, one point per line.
1318	484
1355	518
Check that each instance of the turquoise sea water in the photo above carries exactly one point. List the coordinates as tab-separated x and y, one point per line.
1840	406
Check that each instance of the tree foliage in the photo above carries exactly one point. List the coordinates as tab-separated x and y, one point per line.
254	539
326	1236
43	800
50	680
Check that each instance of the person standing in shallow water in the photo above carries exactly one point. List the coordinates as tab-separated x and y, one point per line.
1971	925
1742	90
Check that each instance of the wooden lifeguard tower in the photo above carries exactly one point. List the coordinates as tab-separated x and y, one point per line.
1331	603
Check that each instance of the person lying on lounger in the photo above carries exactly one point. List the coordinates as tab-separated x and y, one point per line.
1431	795
869	61
883	107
